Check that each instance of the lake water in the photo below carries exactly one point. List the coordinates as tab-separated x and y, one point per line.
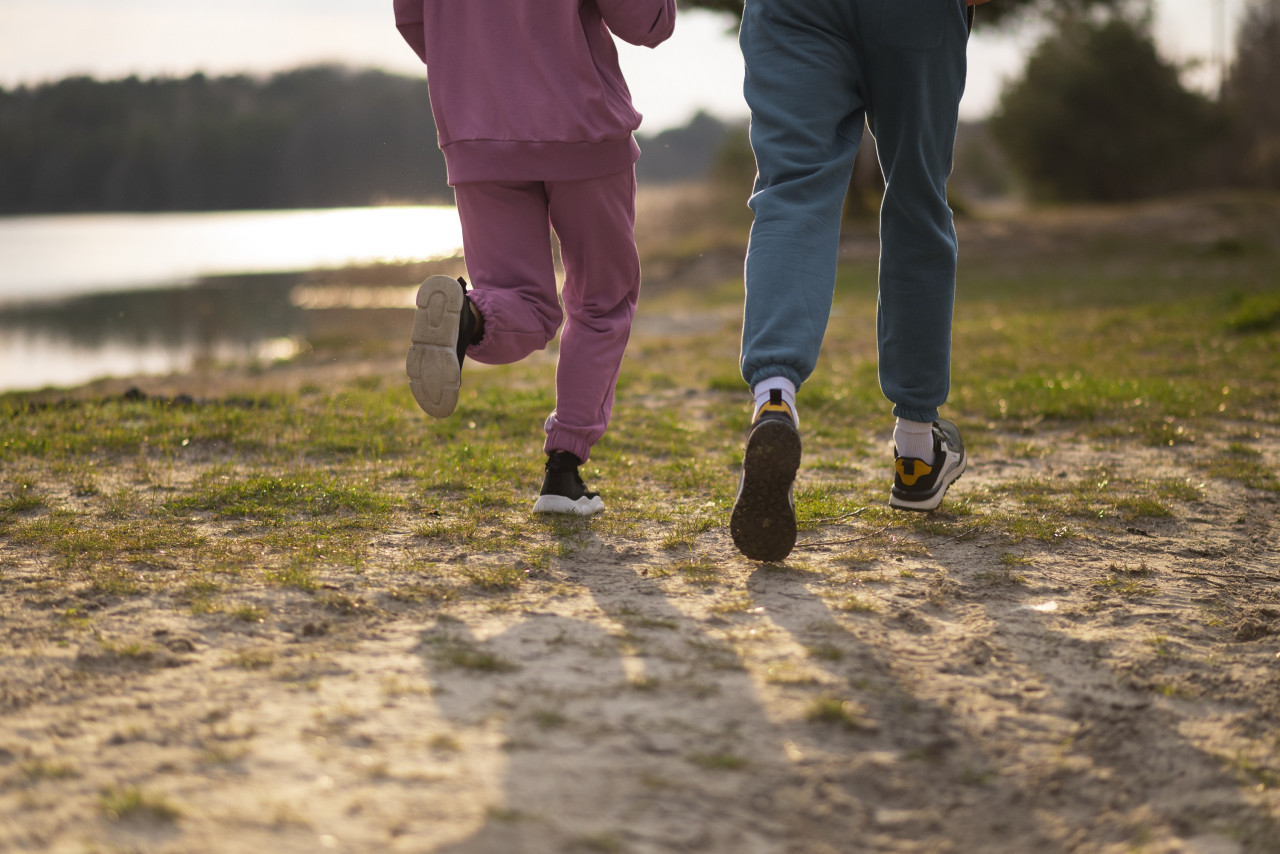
86	296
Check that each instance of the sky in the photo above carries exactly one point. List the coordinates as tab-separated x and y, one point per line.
699	68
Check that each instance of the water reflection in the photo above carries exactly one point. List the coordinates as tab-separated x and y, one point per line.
91	295
234	319
51	257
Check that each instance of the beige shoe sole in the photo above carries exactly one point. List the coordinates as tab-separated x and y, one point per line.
434	373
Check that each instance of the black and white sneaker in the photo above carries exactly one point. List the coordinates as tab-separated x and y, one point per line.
563	490
442	329
763	522
919	486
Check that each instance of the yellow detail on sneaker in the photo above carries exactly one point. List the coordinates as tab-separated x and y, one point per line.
918	470
774	407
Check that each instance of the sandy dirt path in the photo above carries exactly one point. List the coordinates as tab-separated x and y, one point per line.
1115	692
883	691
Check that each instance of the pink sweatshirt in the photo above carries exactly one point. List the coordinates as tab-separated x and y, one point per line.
530	90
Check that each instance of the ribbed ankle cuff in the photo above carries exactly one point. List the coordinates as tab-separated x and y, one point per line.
560	440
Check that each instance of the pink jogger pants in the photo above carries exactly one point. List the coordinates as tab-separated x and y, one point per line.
506	237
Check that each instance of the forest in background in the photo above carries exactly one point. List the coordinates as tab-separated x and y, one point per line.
322	136
1098	115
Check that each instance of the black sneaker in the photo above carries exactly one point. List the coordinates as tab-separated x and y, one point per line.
763	523
442	330
563	490
917	486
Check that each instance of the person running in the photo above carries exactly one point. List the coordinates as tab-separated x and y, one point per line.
536	124
816	72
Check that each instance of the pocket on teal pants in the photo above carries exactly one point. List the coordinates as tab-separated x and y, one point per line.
914	24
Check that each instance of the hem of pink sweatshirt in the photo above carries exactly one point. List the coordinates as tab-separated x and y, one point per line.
507	160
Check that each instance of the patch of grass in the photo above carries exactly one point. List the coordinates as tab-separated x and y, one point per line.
249	613
444	743
115	581
685	533
276	497
549	719
815	505
136	650
122	803
700	570
1004	575
220	754
1141	569
598	843
719	761
1160	645
454	532
738	603
1254	314
858	557
635	619
1262	777
829	709
640	682
84	484
39	770
1243	465
790	673
852	603
419	593
1133	507
978	777
458	652
496	578
1178	489
75	618
297	575
254	659
22	497
825	652
78	542
1098	495
1124	582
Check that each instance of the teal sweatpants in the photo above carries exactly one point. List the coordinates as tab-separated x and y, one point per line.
816	72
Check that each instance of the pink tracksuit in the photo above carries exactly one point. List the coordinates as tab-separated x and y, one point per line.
535	121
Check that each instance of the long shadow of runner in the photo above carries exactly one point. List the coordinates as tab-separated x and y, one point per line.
628	727
904	770
962	741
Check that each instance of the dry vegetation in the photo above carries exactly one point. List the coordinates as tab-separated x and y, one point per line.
277	610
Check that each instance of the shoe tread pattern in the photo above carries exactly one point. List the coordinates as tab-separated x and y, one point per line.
763	522
435	376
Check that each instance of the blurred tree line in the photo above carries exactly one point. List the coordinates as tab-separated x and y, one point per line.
998	12
1100	115
316	137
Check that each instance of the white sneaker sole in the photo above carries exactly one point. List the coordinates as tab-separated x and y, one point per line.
432	364
560	504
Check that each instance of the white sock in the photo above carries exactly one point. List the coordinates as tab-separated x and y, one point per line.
914	439
782	384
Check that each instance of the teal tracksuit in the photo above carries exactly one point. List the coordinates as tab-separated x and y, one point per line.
815	71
